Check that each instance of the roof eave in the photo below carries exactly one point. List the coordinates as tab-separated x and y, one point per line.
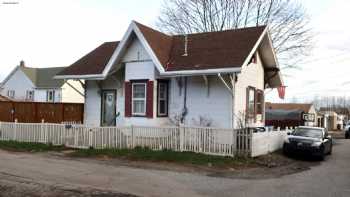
200	72
264	34
85	77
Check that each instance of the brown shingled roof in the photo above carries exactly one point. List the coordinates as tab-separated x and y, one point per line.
160	43
305	107
214	49
93	62
209	50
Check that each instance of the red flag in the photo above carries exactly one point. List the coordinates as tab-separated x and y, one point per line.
281	91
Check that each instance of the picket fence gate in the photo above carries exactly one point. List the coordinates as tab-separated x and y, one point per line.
212	141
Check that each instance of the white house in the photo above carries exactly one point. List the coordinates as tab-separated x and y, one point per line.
38	85
150	78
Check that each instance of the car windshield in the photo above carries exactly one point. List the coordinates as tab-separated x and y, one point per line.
308	132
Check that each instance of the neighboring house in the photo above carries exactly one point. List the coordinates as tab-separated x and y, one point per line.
38	85
290	114
334	120
150	78
342	112
322	120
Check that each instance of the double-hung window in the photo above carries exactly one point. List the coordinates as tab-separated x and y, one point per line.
255	104
30	95
11	93
162	99
139	98
259	102
50	96
251	103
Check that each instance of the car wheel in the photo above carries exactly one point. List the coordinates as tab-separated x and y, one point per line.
285	151
322	154
330	150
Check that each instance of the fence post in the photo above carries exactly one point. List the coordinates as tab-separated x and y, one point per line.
15	131
132	136
182	137
1	133
90	138
46	132
250	141
76	137
234	142
42	131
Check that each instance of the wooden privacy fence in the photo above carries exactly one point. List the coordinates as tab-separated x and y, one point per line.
35	112
212	141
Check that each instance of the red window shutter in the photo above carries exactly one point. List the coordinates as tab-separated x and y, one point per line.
149	100
128	90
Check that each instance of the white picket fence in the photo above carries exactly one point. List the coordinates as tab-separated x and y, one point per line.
213	141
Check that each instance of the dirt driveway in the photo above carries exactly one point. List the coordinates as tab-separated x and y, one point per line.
47	175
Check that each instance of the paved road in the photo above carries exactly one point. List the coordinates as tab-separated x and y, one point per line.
331	178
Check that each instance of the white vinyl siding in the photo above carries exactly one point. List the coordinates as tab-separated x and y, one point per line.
251	75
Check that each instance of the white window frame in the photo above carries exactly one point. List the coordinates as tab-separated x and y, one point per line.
11	93
138	99
162	99
28	98
53	96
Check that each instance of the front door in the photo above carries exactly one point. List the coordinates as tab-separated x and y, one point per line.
108	116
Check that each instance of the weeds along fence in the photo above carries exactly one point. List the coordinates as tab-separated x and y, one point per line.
212	141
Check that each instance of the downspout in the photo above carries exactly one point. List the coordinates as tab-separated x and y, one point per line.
184	109
233	82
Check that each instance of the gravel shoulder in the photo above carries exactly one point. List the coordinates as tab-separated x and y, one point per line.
14	186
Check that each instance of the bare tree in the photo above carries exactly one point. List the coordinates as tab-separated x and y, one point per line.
287	20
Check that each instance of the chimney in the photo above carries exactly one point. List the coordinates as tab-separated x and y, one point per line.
186	46
22	64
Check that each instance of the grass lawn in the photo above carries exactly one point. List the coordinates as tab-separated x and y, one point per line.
146	154
137	154
28	146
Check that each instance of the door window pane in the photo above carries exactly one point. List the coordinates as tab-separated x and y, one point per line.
109	108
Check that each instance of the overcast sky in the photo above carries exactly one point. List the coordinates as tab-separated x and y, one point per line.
47	33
